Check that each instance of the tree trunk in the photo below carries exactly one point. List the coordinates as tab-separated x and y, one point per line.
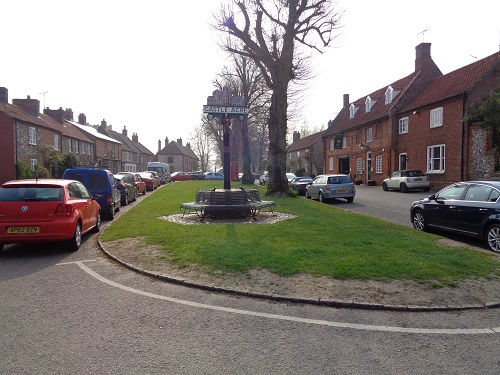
277	184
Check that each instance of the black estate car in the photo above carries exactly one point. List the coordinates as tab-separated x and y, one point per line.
470	208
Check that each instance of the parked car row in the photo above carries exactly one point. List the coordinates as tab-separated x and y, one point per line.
62	210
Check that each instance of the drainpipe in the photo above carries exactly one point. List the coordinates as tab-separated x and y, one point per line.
463	130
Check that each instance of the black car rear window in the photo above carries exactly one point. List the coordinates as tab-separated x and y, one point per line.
78	176
98	181
413	174
338	180
37	193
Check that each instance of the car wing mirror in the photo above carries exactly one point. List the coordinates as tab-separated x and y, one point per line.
432	197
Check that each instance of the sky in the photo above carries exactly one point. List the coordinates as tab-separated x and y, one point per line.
149	66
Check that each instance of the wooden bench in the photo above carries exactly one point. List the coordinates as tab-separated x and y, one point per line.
257	205
198	206
227	204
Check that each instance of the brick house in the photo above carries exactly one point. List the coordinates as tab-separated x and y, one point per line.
306	153
133	155
180	158
413	123
72	140
107	149
26	135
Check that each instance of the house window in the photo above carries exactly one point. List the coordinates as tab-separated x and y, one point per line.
403	125
436	158
170	159
105	153
298	154
378	164
437	117
32	136
56	142
352	111
369	135
402	161
368	104
359	165
332	143
33	163
388	95
76	147
89	149
330	163
344	142
69	146
82	148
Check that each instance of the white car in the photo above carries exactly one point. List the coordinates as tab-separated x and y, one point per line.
290	177
264	177
406	180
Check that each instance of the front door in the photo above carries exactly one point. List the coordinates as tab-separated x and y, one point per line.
344	166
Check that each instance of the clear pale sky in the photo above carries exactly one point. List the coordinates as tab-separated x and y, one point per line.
149	65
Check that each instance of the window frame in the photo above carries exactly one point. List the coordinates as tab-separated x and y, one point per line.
436	117
403	125
369	135
379	164
32	135
431	158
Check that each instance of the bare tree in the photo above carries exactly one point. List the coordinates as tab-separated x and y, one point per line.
201	144
270	40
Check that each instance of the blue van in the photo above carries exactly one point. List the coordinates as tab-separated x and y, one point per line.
101	184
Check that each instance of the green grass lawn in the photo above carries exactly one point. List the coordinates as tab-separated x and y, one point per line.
322	240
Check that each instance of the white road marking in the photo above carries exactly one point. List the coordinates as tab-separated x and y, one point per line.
365	327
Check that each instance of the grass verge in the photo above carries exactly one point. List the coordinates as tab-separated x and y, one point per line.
322	240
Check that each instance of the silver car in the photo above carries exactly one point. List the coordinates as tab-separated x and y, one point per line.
330	186
406	180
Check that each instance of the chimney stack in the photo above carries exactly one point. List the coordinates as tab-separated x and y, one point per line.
159	145
82	119
166	141
346	100
124	131
135	138
30	105
179	141
4	95
56	114
296	136
68	114
422	56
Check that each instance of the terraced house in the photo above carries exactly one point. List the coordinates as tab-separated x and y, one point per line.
417	122
30	136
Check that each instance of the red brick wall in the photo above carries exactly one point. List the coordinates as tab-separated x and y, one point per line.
7	149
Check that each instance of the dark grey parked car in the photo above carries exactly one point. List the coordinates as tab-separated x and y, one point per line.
470	208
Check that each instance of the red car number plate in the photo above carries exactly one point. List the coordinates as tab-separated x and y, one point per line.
23	230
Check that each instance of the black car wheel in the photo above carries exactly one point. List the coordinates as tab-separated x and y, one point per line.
97	227
403	188
321	199
493	237
111	213
384	186
417	219
75	243
350	200
307	195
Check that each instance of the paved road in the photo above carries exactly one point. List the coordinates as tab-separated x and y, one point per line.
81	313
391	206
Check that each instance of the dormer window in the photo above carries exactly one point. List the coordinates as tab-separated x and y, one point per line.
352	111
388	95
368	104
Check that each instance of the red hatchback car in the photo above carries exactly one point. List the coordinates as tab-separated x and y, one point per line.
47	210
